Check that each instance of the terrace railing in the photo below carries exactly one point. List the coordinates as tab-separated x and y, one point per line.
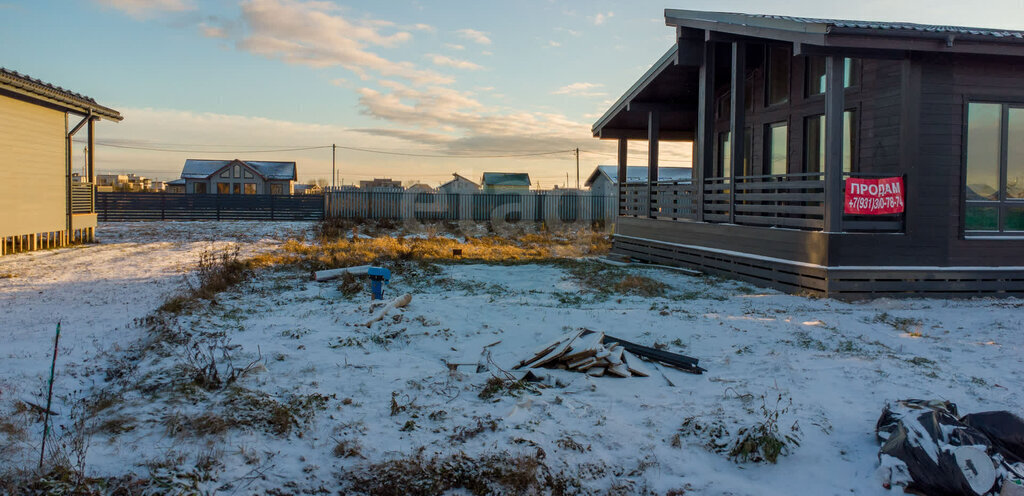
674	200
784	200
791	201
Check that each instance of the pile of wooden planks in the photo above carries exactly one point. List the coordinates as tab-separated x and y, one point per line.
588	352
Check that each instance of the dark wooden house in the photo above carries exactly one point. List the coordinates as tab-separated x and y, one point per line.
785	112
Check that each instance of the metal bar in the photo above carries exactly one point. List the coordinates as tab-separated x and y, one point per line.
49	397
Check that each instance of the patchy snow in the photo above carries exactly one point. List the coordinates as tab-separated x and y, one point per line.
837	362
98	291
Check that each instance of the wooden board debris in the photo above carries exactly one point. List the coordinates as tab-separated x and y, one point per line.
598	354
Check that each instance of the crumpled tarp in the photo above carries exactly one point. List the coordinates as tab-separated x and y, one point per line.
928	448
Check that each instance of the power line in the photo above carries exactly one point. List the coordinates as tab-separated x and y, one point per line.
351	148
175	150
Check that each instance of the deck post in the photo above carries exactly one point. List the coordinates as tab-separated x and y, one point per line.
702	146
736	119
621	179
834	88
90	163
653	125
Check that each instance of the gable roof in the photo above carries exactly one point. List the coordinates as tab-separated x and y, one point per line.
506	179
457	177
820	25
203	169
853	33
638	173
55	95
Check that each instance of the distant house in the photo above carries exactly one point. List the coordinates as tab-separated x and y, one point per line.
420	188
112	180
42	207
605	178
175	186
239	177
157	186
505	182
378	183
459	185
308	189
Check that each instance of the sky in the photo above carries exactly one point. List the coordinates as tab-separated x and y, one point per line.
431	87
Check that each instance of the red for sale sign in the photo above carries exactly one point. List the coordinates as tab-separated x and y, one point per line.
874	196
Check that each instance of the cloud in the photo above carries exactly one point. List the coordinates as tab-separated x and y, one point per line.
316	34
554	44
146	9
600	18
446	61
213	31
475	36
580	89
454	46
452	122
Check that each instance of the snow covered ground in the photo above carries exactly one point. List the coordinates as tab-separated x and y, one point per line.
360	395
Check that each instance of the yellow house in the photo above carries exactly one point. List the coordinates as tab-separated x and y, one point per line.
40	205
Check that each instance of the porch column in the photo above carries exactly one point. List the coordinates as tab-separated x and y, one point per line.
704	142
621	178
653	125
834	87
90	164
736	119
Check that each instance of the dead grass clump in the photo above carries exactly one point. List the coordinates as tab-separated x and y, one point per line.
247	408
418	475
215	273
498	386
640	286
605	280
467	432
348	448
203	424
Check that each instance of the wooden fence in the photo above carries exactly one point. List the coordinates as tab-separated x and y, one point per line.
549	206
182	206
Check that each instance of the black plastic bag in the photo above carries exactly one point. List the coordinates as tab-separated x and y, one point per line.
1004	429
929	450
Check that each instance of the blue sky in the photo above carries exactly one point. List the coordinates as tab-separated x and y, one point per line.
423	77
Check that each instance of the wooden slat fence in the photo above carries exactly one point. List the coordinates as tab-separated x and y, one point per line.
532	206
185	206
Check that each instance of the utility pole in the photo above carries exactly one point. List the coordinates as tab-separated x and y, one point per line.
577	168
334	173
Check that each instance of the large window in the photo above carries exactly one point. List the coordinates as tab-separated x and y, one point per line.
777	90
223	188
250	188
994	185
199	188
814	142
236	188
776	146
724	166
815	83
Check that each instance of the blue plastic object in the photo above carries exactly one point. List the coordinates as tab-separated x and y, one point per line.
379	276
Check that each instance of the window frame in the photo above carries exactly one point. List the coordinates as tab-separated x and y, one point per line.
1002	203
768	76
766	165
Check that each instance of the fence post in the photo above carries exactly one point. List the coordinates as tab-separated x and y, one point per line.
216	204
163	206
271	207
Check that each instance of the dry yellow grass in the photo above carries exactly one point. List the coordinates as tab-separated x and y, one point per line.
488	249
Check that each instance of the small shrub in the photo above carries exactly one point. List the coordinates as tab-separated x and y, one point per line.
496	386
348	448
764	441
464	433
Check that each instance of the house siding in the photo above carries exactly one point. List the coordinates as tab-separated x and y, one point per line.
33	188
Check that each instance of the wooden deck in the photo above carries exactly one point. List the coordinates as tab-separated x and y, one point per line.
808	262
